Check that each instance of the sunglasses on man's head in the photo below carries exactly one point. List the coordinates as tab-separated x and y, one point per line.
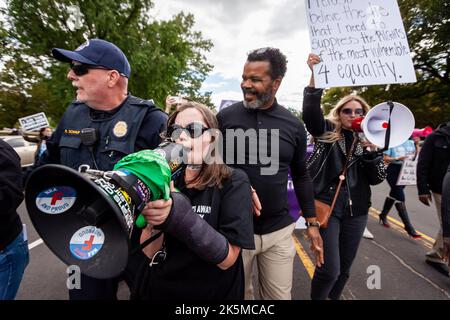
348	111
82	69
194	130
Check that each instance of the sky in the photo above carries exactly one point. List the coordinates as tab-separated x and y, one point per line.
236	27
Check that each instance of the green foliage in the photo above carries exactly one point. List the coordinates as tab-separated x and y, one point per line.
295	112
427	23
166	57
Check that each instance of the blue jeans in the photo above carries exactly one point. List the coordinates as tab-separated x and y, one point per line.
13	261
393	170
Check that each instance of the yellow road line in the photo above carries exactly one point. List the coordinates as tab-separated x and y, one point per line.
374	213
304	258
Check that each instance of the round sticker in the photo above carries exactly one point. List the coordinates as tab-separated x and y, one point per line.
86	242
120	129
56	200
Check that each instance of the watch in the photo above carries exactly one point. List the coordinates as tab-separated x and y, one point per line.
312	224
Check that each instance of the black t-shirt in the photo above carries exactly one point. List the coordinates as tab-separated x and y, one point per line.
11	194
183	275
271	189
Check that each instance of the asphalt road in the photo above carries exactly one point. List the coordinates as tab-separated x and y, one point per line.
398	260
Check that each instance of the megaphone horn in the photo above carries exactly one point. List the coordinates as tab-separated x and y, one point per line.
86	219
388	124
377	125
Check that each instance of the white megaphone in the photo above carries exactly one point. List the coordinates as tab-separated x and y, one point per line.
386	125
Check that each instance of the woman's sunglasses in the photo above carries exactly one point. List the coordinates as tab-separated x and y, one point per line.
82	69
348	111
194	130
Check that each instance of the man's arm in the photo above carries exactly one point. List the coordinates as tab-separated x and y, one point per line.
446	205
301	179
303	187
11	191
423	169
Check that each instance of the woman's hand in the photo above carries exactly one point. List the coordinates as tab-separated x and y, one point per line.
366	144
156	212
173	101
312	60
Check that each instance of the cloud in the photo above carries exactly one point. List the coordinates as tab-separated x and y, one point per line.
287	18
236	27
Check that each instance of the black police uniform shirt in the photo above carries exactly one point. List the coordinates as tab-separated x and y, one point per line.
272	189
183	275
134	125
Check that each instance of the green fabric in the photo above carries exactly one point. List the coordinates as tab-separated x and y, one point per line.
153	169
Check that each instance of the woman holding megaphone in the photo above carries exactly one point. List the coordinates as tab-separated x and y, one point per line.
204	225
342	170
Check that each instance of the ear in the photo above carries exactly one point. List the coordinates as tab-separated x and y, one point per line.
113	78
276	84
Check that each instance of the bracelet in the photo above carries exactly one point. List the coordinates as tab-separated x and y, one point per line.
312	224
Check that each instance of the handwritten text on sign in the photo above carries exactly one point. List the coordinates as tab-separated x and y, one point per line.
360	42
407	175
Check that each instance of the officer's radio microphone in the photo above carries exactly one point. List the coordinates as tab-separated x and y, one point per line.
89	138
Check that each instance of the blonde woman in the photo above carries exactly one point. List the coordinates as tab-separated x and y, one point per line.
334	137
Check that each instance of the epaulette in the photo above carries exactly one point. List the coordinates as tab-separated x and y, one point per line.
142	102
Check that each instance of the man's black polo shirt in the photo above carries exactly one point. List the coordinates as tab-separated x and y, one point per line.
271	189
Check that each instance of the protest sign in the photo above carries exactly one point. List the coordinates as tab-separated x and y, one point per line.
226	103
294	208
360	42
407	175
34	122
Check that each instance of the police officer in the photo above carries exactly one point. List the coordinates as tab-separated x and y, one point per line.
103	124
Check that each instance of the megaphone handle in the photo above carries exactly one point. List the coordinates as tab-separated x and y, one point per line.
387	137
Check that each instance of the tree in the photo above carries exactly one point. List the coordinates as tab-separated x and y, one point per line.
427	23
296	113
167	57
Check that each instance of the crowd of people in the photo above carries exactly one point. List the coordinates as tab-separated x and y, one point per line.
226	217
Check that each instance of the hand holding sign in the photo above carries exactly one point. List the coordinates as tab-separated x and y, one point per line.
313	59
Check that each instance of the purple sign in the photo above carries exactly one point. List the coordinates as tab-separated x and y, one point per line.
226	103
294	208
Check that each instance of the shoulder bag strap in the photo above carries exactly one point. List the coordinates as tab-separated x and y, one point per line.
342	176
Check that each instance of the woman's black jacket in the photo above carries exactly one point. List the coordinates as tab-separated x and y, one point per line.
327	161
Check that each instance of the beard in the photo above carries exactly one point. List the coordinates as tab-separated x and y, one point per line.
261	98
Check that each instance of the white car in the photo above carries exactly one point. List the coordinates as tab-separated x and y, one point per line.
26	150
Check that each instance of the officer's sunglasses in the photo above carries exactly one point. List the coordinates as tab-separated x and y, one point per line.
82	69
194	130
